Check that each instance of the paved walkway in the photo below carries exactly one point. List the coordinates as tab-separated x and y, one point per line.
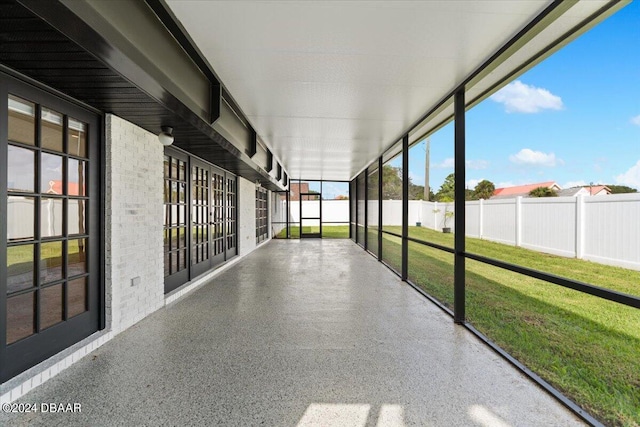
299	333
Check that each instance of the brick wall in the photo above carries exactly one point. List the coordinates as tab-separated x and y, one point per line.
134	202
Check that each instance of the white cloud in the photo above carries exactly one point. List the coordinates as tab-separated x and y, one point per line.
527	156
416	179
636	120
572	184
505	184
471	183
631	177
600	163
450	163
477	164
518	97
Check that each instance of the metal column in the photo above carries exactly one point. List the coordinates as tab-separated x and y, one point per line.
366	209
459	243
405	207
380	208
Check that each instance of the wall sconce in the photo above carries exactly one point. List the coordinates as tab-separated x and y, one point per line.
166	136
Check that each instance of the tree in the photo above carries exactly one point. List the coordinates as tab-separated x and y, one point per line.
447	189
620	189
416	192
543	192
448	213
484	190
391	183
372	186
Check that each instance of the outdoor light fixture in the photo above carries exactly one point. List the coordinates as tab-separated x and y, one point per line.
166	136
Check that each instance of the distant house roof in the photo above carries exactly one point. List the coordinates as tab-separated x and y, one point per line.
598	190
522	190
573	192
55	187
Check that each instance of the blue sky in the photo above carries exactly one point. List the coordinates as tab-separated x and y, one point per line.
573	119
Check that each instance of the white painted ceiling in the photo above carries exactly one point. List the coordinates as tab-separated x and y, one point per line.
329	85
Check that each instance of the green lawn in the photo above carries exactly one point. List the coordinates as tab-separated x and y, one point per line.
586	347
328	231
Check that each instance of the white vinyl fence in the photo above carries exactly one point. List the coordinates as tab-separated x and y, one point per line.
603	229
336	211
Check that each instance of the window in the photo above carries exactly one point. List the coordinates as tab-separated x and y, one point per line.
262	231
218	217
231	229
373	204
361	188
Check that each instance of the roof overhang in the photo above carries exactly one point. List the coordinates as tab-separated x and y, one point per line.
118	57
329	86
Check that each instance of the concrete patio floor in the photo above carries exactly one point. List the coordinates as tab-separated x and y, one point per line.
299	333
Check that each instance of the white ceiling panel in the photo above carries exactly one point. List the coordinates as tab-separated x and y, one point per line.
329	85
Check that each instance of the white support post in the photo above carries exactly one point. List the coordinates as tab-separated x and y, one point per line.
519	221
580	226
480	224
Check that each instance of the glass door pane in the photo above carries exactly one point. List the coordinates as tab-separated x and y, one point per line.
218	216
200	217
49	209
175	220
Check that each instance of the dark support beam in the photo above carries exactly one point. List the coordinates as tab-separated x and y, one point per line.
380	208
459	243
253	142
172	24
269	166
214	102
405	207
138	83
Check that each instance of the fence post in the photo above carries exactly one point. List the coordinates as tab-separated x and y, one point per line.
519	221
580	226
480	227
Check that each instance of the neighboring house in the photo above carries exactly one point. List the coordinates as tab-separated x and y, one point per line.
593	190
597	190
296	188
522	190
55	187
573	192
